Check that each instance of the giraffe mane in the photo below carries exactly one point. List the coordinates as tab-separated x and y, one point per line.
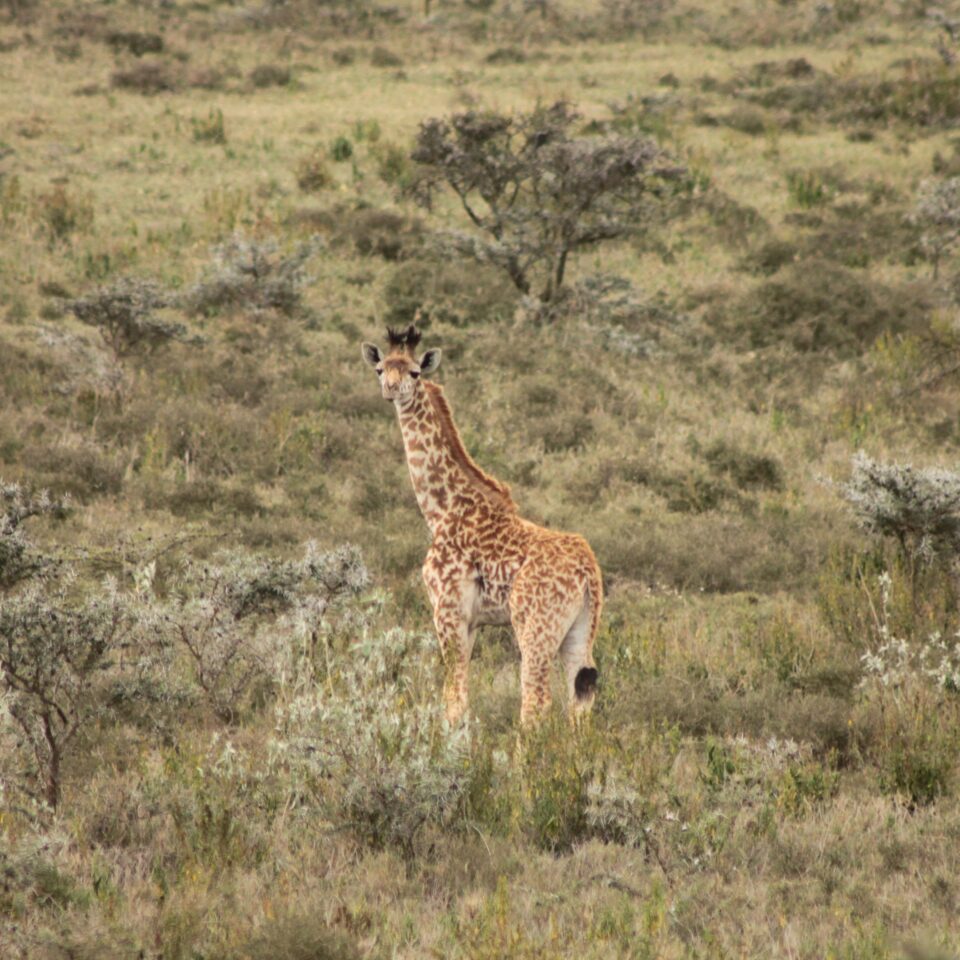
496	492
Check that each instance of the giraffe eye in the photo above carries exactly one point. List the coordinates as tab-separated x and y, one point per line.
379	371
414	374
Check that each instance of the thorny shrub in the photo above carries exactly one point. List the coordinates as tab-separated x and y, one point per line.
252	274
53	653
224	615
535	193
937	213
125	315
18	559
918	508
372	745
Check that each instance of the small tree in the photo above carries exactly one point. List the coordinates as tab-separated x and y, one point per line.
124	313
937	212
918	508
52	653
534	192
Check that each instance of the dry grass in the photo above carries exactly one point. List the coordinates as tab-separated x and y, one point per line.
742	792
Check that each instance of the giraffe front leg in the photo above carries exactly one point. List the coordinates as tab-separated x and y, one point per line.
456	645
452	588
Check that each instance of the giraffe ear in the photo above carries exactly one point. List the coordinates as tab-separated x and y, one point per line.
430	361
371	353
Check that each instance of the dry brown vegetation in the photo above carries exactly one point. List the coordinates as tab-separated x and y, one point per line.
217	745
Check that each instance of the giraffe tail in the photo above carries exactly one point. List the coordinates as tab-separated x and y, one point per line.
585	682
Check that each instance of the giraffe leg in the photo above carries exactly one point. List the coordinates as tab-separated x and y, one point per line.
453	594
535	696
456	645
544	604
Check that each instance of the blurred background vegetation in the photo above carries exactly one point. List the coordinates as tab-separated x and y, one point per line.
739	378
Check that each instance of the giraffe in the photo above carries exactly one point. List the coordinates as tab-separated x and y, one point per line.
487	565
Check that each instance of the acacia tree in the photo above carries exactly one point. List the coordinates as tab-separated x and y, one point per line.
535	193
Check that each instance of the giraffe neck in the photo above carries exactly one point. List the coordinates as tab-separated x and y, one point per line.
445	478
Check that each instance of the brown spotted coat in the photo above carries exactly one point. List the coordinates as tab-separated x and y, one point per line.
486	564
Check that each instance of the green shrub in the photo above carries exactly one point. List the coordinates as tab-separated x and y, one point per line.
270	75
35	877
209	129
296	937
223	615
52	653
839	313
448	291
393	165
136	42
804	787
748	471
383	57
341	149
313	174
807	188
915	747
19	560
770	257
371	231
747	119
558	769
82	470
252	275
149	78
62	213
937	213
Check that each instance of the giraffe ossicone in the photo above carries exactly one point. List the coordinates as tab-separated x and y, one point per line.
487	565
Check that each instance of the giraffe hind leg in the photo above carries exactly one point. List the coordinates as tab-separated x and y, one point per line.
540	639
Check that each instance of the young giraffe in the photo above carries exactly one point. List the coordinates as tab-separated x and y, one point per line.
487	565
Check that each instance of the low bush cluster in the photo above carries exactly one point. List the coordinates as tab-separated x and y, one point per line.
252	275
227	624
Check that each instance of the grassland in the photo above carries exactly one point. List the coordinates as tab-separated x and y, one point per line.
750	785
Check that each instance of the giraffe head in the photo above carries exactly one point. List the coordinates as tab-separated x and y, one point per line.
398	370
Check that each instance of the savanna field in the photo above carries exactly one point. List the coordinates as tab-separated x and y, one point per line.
727	353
